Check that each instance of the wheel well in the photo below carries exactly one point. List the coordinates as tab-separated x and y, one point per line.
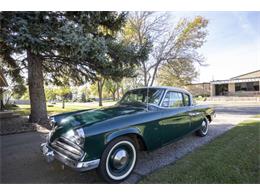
209	118
137	139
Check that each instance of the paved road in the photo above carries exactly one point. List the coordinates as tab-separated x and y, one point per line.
21	160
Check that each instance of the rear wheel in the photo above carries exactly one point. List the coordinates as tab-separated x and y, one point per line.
203	131
118	160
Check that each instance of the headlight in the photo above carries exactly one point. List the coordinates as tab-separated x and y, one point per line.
50	134
76	136
53	123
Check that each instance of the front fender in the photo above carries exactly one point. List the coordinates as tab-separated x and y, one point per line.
122	132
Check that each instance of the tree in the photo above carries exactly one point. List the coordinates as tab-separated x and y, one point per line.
64	93
53	45
167	43
83	93
126	56
16	89
112	87
100	83
83	97
16	86
177	73
50	93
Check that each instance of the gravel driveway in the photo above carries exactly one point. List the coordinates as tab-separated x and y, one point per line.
21	160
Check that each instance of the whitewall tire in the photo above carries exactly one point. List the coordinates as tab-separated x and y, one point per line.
118	160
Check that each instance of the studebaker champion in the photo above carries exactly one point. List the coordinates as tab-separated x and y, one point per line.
109	138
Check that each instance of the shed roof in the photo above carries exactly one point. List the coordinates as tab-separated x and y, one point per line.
249	75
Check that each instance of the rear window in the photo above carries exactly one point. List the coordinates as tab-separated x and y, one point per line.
186	99
173	100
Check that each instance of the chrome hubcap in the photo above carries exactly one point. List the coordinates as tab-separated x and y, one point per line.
120	159
204	127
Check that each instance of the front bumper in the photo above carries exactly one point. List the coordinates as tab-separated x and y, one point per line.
51	154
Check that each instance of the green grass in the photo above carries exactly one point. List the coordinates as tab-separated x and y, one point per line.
256	116
57	108
233	157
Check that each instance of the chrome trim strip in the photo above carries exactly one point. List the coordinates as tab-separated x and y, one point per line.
65	152
194	113
69	148
50	154
65	140
165	92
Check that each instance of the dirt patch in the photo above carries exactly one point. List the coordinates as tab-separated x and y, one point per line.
19	125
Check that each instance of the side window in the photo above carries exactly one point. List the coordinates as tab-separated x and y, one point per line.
186	99
172	100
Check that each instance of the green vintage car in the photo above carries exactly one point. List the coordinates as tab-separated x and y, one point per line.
109	138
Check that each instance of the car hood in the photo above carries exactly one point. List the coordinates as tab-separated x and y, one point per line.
90	117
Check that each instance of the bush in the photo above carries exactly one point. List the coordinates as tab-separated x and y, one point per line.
10	106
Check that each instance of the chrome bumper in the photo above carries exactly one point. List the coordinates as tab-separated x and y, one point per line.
50	155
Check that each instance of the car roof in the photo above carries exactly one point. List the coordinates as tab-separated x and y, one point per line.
164	87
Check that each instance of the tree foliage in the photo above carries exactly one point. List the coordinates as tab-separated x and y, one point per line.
177	73
69	43
113	88
50	93
76	45
167	42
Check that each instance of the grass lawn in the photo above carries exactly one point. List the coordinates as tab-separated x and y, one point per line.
233	157
257	116
57	108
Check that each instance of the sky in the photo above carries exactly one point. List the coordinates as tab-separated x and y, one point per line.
233	44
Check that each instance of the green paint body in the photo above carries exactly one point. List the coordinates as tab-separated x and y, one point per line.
155	126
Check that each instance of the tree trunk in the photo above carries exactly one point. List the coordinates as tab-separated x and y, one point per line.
1	99
114	96
63	103
100	87
154	74
122	92
145	74
36	89
117	91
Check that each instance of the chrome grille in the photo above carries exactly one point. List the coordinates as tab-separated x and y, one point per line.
67	148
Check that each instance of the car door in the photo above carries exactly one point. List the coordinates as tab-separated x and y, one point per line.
197	117
176	120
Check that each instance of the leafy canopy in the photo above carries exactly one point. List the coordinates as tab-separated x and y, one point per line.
78	45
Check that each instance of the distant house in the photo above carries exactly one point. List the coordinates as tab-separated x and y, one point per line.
242	85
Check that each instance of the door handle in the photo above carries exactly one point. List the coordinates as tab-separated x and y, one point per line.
193	113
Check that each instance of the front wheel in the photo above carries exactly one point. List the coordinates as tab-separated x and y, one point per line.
203	131
118	160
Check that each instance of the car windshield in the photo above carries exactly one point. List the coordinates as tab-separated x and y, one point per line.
139	96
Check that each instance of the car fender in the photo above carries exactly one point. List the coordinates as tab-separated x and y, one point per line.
132	130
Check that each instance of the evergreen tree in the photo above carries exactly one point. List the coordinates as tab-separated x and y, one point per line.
54	45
